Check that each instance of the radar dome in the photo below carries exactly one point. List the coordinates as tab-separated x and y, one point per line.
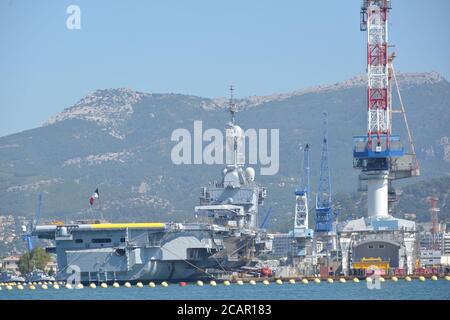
250	174
238	131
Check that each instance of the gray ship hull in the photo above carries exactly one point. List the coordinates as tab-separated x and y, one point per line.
143	251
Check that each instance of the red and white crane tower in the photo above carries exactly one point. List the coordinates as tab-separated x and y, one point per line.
375	22
380	154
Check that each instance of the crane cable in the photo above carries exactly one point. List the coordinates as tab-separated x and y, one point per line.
403	112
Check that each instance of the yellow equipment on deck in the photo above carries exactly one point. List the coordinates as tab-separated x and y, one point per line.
371	263
137	225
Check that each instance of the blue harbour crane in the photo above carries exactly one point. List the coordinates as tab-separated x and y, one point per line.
28	230
265	223
324	211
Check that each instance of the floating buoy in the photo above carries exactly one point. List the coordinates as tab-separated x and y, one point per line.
239	283
61	283
213	283
152	285
279	281
447	278
266	282
330	280
116	285
44	287
164	284
434	278
45	282
68	286
8	287
56	286
421	278
305	281
127	285
408	278
20	287
39	283
32	287
368	279
104	285
316	280
292	281
381	279
342	280
92	285
34	283
226	283
79	286
355	280
200	283
139	285
253	282
395	279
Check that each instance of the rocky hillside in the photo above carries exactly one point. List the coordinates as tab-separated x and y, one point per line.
119	140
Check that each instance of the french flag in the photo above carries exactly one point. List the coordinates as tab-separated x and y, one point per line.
93	197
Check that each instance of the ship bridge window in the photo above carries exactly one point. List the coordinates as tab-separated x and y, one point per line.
78	240
381	246
122	239
101	240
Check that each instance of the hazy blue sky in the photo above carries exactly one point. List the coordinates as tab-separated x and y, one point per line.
196	47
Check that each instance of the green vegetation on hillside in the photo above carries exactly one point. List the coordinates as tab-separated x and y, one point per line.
413	199
38	258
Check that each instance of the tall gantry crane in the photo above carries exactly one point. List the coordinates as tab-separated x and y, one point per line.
302	233
324	211
434	210
302	196
380	154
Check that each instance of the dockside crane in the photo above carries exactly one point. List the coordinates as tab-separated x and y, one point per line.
29	229
265	223
434	210
380	154
302	196
302	234
324	211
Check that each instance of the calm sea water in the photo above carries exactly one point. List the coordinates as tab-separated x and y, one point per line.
436	290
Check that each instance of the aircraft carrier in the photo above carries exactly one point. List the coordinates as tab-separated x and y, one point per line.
228	237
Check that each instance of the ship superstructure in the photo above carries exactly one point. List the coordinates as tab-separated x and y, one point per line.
233	203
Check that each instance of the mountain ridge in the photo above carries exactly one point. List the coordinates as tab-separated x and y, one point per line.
119	140
120	97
